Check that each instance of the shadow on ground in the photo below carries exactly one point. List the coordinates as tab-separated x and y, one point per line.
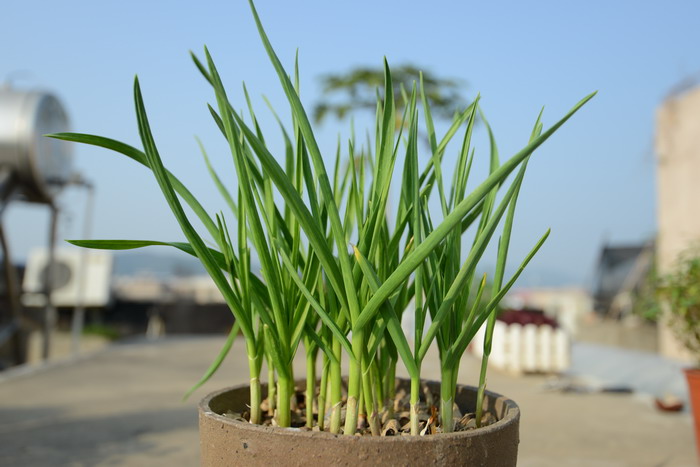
33	437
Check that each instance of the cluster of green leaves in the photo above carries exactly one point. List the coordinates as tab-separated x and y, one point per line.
336	274
680	290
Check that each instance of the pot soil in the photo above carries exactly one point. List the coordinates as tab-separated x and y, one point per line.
693	377
228	442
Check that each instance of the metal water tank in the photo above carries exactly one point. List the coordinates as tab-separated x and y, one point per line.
39	166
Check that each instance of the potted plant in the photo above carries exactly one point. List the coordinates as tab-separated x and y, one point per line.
680	295
340	265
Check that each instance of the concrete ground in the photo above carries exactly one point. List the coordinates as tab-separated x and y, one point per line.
62	345
122	407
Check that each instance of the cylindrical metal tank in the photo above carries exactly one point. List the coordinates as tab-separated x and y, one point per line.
39	166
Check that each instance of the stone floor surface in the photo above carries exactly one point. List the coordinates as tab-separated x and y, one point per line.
122	407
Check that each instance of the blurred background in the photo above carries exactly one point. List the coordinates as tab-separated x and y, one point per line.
617	184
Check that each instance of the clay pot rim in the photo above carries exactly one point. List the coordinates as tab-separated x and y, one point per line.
512	415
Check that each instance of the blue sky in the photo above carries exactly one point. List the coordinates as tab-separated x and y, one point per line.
592	182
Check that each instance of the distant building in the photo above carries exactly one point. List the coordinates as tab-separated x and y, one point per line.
678	182
199	290
621	273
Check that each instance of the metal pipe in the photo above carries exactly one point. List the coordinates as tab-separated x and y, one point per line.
13	292
79	311
49	309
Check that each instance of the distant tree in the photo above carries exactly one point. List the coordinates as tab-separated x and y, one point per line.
357	90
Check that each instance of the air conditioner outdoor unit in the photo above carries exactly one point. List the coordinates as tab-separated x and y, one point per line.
95	267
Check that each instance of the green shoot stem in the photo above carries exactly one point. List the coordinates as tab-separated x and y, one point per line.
390	388
285	391
255	393
271	389
323	389
370	401
255	399
336	389
415	400
354	383
310	387
377	384
447	392
480	391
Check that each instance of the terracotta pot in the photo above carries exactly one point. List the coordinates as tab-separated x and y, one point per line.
226	442
693	377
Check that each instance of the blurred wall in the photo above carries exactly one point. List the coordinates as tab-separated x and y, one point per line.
678	182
